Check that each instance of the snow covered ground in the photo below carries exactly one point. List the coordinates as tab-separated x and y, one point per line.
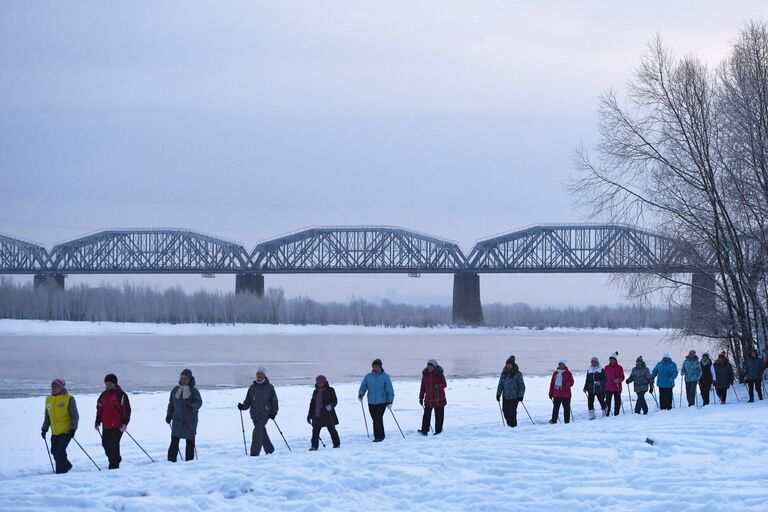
704	459
9	327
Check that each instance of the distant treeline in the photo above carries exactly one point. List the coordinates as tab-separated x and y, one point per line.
132	303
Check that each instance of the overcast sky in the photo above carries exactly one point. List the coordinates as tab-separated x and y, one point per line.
247	120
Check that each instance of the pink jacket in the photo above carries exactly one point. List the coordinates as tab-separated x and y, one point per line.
565	391
613	372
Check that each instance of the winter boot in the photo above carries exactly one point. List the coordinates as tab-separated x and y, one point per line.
591	415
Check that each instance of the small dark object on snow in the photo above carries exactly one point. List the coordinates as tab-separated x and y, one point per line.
650	441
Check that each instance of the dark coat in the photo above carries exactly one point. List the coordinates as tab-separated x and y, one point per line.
261	399
723	374
511	385
183	412
753	369
595	382
641	377
706	374
329	399
433	387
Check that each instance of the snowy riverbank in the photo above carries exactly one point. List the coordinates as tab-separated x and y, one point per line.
710	458
64	328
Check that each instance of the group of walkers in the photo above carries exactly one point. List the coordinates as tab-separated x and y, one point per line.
113	409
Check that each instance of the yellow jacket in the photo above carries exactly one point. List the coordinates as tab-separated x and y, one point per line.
60	413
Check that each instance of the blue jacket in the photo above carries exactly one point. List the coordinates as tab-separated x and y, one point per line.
665	374
691	369
379	388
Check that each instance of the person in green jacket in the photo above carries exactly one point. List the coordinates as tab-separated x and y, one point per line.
691	370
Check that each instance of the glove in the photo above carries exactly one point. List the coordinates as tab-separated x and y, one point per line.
123	428
360	398
309	420
498	398
421	402
389	406
168	420
72	432
43	433
329	407
550	397
521	399
241	406
272	416
96	425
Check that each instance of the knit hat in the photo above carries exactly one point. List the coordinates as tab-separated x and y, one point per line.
691	353
615	356
320	380
261	369
111	377
639	359
433	362
563	361
595	358
186	372
511	360
376	362
59	382
666	355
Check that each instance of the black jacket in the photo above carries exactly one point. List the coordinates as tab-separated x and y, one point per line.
329	398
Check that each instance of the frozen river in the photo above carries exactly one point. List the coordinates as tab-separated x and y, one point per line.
149	362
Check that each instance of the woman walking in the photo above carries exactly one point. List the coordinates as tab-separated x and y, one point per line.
614	376
723	376
183	406
594	387
432	396
322	412
560	391
641	376
512	389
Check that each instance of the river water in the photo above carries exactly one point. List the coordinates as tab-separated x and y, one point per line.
153	362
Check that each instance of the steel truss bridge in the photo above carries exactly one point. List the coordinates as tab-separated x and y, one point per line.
567	248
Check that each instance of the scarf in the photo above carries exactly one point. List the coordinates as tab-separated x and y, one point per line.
559	379
184	393
594	369
319	403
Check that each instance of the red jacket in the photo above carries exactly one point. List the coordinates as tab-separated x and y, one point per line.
565	391
113	409
614	371
433	397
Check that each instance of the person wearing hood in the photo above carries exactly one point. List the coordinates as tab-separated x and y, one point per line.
322	412
753	373
560	391
113	412
641	376
261	399
432	396
724	376
381	395
691	371
182	414
62	417
614	376
594	387
512	389
707	377
665	374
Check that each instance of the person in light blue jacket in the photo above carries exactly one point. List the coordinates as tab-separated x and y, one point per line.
665	374
381	394
691	370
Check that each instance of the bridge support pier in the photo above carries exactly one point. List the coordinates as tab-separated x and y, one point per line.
467	309
49	281
703	303
250	283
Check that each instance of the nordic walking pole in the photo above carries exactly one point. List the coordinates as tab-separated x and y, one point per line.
242	425
503	420
281	435
396	423
86	453
682	384
48	451
321	441
654	399
195	451
137	444
631	407
178	450
735	393
529	414
367	433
